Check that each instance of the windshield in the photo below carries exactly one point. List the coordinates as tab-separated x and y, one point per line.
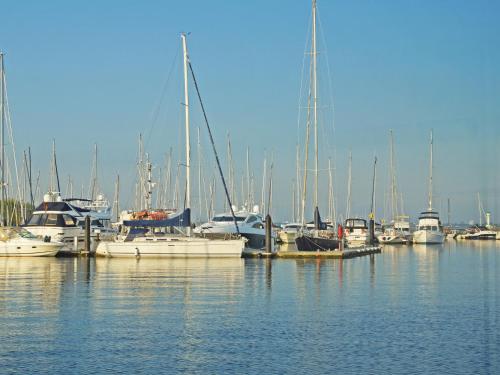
9	233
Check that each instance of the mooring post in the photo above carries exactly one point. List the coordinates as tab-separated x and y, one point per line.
371	227
269	239
87	235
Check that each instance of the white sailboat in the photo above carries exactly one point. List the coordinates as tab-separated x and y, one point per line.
429	229
152	239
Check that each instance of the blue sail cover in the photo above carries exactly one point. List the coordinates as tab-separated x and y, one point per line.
183	219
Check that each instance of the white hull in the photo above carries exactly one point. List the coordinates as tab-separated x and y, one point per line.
171	247
428	237
20	248
287	237
66	235
356	239
391	239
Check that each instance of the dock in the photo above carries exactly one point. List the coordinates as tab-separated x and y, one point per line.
333	254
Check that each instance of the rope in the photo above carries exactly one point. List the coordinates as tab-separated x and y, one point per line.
213	147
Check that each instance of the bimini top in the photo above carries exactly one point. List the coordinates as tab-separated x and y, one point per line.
183	219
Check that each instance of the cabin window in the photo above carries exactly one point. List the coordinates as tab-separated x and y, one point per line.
68	221
51	220
251	219
35	220
434	228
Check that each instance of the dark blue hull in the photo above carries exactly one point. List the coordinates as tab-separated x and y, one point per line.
311	243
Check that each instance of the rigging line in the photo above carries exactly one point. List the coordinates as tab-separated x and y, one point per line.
213	146
10	132
329	76
156	111
302	75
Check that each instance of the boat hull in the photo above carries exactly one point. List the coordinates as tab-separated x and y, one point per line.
483	235
34	249
172	247
287	237
313	243
428	237
391	239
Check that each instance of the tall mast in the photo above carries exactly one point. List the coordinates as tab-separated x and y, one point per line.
2	135
248	198
117	198
263	191
186	114
393	180
430	175
199	174
349	183
479	209
297	182
94	175
315	100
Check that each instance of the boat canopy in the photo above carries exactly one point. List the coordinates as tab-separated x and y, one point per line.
183	219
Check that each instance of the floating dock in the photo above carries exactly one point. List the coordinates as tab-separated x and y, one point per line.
333	254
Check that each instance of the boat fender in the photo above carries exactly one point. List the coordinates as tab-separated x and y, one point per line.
137	253
340	231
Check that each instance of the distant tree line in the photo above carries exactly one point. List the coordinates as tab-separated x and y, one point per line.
15	212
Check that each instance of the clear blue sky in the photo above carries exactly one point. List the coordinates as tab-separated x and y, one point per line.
94	71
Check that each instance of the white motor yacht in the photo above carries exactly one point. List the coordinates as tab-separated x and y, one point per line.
16	241
250	225
356	231
62	221
429	229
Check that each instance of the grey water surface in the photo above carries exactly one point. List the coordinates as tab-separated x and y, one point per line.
409	310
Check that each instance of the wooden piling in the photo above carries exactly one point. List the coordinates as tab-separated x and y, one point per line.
87	235
269	238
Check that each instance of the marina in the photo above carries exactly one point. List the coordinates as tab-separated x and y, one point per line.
307	187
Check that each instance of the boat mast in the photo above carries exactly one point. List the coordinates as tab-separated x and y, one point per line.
249	193
430	175
186	115
199	174
297	182
479	208
393	180
315	106
349	183
262	199
2	135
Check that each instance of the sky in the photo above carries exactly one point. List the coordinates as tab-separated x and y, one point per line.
86	72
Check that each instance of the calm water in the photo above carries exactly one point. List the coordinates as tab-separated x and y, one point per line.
408	310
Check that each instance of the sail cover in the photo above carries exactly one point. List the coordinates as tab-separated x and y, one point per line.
182	219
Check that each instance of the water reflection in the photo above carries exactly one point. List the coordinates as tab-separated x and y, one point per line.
419	305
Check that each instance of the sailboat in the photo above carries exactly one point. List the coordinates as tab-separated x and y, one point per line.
15	241
398	231
429	229
163	237
318	238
